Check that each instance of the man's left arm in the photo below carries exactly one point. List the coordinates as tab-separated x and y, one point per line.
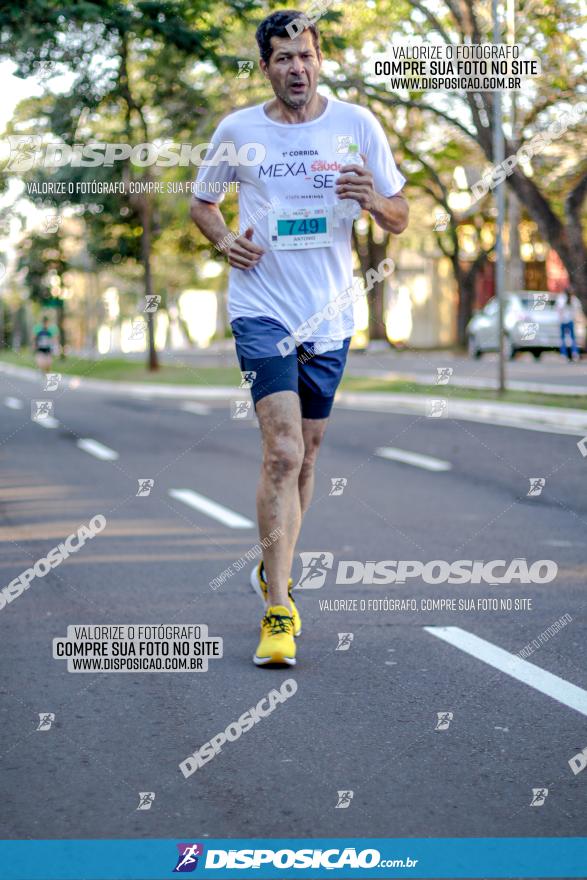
389	212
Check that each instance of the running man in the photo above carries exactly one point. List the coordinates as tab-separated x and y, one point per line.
44	345
292	259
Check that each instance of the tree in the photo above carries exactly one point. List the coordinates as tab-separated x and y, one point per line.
554	31
44	264
132	63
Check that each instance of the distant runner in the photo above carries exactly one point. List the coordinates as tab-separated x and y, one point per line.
44	345
290	263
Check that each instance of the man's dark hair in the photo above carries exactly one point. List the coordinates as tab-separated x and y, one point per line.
275	25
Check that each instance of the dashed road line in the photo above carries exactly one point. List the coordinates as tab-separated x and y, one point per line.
413	458
98	450
211	508
551	685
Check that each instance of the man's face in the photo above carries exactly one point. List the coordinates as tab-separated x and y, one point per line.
293	69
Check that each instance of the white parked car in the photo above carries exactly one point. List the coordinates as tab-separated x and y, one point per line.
531	323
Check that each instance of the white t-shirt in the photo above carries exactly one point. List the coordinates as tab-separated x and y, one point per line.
567	311
299	170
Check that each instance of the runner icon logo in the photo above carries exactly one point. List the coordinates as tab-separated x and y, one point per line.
537	484
441	222
343	142
338	484
443	720
152	303
344	800
52	223
538	302
443	374
241	409
528	331
146	799
187	860
315	565
247	378
137	330
344	641
24	151
539	795
245	68
145	486
52	381
436	408
41	409
46	719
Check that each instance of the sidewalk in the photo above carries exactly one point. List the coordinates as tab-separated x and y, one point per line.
473	382
558	420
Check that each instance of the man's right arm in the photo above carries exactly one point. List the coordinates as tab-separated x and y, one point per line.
240	250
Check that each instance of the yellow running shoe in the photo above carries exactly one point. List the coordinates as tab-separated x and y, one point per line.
259	585
277	644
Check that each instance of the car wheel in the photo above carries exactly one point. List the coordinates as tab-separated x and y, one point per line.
537	354
473	348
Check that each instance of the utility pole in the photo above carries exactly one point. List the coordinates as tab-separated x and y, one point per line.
514	266
498	157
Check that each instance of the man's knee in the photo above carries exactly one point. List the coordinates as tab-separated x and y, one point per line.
312	441
283	457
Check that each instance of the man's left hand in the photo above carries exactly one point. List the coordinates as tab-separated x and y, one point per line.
356	182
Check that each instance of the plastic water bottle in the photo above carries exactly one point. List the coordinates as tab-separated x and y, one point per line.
349	208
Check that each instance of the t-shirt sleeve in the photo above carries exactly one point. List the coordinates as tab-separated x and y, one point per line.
211	180
387	178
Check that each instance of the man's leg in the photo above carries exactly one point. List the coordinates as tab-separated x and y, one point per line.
278	499
313	432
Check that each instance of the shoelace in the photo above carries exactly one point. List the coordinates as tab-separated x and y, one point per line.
277	623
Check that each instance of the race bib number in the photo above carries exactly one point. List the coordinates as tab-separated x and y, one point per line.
300	228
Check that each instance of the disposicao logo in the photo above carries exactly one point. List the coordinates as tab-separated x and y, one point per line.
187	859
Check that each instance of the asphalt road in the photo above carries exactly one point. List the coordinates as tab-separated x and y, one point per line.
362	719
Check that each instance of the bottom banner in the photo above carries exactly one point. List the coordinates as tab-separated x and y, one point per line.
369	859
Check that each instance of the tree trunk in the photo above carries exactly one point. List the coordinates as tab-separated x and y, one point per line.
514	269
371	253
466	279
153	362
61	328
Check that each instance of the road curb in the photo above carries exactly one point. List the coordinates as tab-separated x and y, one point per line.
554	419
137	389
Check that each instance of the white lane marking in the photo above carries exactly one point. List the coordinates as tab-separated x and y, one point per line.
211	508
98	450
557	688
423	461
198	409
47	422
13	402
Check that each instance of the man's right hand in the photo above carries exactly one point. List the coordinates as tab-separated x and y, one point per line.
242	253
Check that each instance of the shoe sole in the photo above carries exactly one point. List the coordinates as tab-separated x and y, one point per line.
254	582
281	661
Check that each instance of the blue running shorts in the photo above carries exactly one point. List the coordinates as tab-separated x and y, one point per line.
314	377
